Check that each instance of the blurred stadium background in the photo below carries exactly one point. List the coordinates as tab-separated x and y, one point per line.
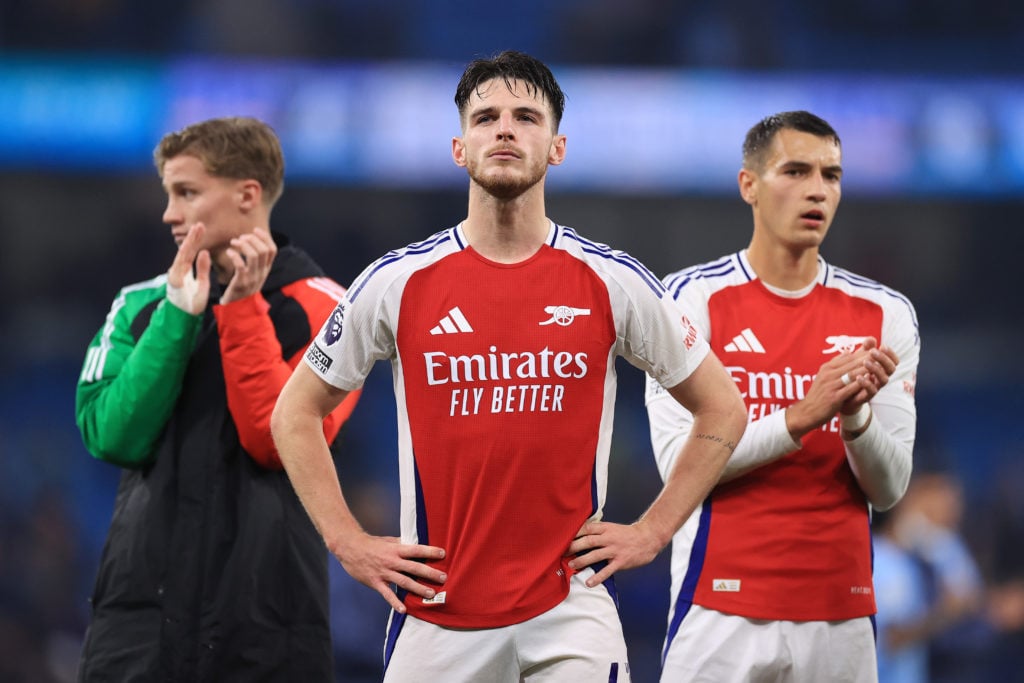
928	98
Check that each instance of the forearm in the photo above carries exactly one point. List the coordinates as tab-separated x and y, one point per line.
696	470
307	461
764	441
881	456
297	428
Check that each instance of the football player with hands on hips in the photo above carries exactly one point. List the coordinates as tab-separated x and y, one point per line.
211	570
772	574
502	333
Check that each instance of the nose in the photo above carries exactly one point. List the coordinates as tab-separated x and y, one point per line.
816	189
506	131
171	215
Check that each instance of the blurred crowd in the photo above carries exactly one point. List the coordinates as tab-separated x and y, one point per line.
906	35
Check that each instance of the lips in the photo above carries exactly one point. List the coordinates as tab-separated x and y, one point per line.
813	215
504	153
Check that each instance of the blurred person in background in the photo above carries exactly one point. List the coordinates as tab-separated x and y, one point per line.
502	332
929	591
904	620
771	575
211	570
955	630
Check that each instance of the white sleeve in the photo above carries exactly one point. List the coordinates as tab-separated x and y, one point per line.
764	440
650	332
358	333
881	462
882	457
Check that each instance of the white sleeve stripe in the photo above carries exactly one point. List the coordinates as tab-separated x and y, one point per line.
328	287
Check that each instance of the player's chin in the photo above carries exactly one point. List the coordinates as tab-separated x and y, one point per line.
811	236
509	187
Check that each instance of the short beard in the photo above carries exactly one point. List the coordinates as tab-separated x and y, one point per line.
504	187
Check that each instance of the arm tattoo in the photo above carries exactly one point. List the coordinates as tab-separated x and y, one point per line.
717	439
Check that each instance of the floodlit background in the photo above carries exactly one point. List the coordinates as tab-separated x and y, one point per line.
927	97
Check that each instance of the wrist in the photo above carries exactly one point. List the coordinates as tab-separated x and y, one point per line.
658	536
796	424
853	425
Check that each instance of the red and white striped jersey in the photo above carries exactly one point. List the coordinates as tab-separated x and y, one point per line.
789	540
504	377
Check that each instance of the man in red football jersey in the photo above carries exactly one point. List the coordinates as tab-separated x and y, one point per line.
502	333
771	575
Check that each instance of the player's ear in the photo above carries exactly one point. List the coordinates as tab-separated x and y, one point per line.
747	181
250	194
556	154
459	152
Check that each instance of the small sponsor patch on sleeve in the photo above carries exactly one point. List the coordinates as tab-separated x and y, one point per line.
320	360
910	385
690	333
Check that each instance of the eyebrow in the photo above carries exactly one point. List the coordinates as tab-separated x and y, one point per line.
178	185
536	111
804	165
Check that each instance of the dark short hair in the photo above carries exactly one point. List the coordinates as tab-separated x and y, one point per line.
759	138
510	66
235	147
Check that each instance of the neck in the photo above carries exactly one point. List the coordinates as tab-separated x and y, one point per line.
783	267
506	230
223	268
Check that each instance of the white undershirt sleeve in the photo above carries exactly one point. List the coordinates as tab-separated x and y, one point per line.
764	440
881	457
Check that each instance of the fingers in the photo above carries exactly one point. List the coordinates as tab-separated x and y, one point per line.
203	270
416	557
622	546
876	366
391	598
257	247
252	256
887	358
383	562
600	577
186	256
186	291
252	253
410	585
586	539
594	553
403	575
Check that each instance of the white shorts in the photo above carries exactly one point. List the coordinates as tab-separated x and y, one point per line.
580	639
713	647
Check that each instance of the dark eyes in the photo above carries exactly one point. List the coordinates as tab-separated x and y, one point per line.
486	118
799	172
